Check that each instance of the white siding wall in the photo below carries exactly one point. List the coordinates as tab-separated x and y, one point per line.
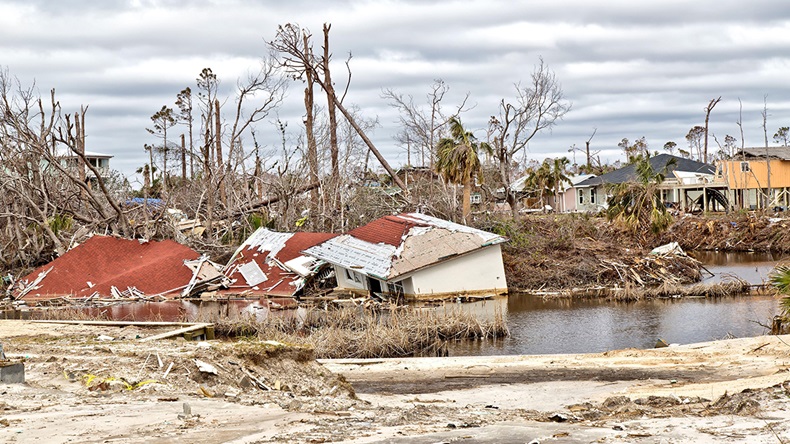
344	282
481	270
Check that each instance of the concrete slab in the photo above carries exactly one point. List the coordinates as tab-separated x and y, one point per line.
12	372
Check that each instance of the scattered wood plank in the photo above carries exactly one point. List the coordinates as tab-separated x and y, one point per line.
118	323
178	332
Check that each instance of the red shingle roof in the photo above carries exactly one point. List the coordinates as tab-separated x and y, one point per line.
388	230
104	261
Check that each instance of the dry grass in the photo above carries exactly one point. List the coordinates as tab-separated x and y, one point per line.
631	293
359	332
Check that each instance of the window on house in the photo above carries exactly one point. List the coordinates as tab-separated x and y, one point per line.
592	195
745	167
581	196
396	288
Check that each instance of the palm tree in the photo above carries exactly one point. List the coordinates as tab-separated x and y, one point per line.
780	279
538	181
558	177
637	204
458	161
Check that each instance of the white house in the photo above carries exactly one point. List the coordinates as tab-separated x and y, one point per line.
415	256
685	181
101	162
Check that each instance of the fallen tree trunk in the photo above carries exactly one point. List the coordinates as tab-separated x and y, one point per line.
271	200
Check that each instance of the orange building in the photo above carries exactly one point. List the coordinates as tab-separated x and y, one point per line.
747	177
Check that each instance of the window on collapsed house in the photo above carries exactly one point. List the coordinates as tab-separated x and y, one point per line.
352	276
475	198
396	288
745	167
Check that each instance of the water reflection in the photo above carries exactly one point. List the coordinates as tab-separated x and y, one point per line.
753	267
539	326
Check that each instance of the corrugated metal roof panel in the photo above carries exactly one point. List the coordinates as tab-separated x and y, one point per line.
362	256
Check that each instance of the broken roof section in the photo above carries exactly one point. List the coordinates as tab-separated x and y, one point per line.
394	246
108	266
272	264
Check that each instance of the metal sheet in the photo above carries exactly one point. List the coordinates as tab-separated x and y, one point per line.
358	255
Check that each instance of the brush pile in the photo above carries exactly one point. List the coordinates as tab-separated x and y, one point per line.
734	232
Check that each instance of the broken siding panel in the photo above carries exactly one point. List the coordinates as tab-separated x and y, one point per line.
252	273
265	240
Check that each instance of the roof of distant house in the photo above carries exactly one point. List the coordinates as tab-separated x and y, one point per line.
394	246
61	152
272	263
102	262
776	152
659	163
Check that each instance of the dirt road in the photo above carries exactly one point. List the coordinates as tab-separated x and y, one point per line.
723	391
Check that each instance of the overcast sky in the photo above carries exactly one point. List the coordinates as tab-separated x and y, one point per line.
630	68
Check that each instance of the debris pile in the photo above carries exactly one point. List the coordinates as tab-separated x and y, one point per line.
734	232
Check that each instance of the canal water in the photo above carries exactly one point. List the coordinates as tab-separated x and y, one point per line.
546	326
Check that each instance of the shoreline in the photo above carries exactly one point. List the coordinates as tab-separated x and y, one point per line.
733	390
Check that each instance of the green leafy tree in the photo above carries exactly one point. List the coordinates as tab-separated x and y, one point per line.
458	161
780	279
637	205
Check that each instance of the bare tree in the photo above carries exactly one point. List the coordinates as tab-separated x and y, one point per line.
45	194
708	109
537	107
764	114
587	147
289	44
330	93
184	104
695	138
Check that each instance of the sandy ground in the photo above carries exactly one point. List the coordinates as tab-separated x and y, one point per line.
724	391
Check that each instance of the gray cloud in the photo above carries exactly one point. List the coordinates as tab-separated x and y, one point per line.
631	69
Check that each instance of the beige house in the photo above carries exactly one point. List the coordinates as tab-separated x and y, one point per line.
415	256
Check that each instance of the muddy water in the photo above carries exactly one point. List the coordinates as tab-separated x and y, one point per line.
539	326
751	267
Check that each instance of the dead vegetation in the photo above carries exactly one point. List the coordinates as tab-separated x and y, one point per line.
359	332
739	231
561	252
346	332
631	292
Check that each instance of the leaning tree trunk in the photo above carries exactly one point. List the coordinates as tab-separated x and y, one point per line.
466	205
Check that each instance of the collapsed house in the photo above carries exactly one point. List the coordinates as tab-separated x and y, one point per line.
270	263
415	256
109	267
